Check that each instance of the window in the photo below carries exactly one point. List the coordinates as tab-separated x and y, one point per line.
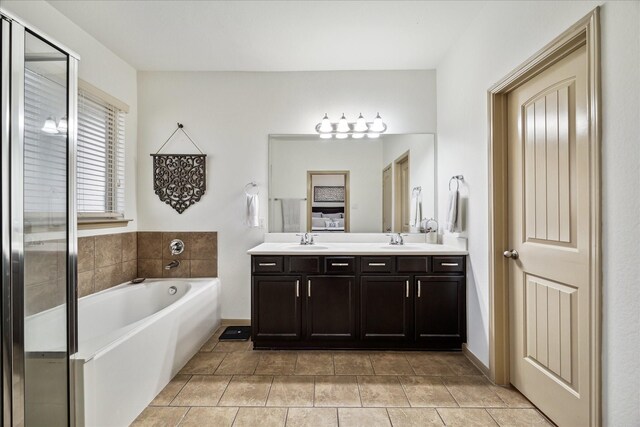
100	166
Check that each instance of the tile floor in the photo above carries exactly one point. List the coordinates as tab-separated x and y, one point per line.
228	384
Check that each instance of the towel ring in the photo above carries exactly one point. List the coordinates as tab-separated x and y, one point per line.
457	179
251	186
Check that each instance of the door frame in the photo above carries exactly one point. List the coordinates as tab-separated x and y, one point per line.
585	32
389	168
397	191
347	210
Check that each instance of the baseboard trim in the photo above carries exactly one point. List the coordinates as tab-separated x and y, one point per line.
474	359
236	322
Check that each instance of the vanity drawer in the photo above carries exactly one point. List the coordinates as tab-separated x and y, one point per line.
378	264
268	264
340	264
448	264
304	264
412	264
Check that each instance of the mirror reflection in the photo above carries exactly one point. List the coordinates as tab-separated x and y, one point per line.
359	186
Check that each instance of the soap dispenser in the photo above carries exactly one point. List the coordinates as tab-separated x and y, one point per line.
431	228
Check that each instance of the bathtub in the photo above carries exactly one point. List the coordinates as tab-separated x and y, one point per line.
132	339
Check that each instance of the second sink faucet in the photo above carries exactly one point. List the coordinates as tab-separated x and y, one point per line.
306	238
396	238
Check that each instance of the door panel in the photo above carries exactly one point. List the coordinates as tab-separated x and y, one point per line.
386	307
276	305
331	307
549	210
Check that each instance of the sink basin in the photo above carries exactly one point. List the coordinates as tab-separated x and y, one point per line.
306	247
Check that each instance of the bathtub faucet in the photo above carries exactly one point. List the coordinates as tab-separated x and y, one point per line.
173	264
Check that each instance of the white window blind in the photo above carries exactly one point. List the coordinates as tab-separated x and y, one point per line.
100	167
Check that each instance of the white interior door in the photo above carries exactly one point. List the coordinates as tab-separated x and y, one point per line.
549	214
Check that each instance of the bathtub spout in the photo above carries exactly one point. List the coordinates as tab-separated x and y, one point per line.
173	264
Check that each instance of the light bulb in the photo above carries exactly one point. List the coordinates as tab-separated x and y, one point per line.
325	125
63	125
378	125
357	135
361	124
373	135
326	136
343	125
342	135
50	126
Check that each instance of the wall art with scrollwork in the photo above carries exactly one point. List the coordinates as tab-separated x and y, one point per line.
179	180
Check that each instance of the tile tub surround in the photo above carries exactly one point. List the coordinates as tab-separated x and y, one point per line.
199	259
108	260
232	385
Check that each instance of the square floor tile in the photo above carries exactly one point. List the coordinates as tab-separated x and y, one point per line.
473	391
202	390
246	391
336	391
429	364
381	391
511	396
276	363
463	417
203	363
238	364
518	417
312	417
231	346
209	417
170	391
293	390
459	363
390	364
160	417
352	364
414	417
314	364
263	417
427	392
363	417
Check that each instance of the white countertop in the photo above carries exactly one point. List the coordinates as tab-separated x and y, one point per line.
344	248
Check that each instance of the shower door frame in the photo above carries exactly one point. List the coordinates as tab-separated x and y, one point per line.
12	69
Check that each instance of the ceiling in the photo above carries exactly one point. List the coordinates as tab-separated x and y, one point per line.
274	35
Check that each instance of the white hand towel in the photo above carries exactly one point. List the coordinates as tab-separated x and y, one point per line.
452	225
290	215
253	210
416	207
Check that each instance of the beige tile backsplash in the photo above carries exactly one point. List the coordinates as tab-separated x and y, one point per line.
108	260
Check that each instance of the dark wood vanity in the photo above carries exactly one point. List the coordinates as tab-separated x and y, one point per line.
358	301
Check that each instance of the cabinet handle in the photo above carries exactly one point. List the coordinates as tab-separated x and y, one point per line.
377	264
449	264
309	288
419	288
297	288
267	264
407	288
340	264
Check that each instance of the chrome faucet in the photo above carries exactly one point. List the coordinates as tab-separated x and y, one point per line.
306	238
396	238
173	264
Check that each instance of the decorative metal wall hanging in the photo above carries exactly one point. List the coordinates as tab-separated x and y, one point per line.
179	180
328	193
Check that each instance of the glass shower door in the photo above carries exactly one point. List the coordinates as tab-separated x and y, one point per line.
45	198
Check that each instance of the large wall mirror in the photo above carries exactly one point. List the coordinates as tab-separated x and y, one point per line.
387	184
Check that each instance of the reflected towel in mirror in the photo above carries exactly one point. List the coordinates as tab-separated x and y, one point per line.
290	215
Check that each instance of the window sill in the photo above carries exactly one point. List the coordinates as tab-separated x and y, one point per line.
92	223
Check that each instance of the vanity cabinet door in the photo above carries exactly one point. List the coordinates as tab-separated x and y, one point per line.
440	309
276	307
330	308
386	308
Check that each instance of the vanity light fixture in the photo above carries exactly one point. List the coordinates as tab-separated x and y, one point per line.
344	129
62	125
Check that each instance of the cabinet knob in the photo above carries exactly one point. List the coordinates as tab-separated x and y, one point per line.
513	254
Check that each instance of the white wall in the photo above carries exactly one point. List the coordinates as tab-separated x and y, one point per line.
504	35
230	116
291	159
100	67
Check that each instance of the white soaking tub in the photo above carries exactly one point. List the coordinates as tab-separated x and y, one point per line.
133	339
